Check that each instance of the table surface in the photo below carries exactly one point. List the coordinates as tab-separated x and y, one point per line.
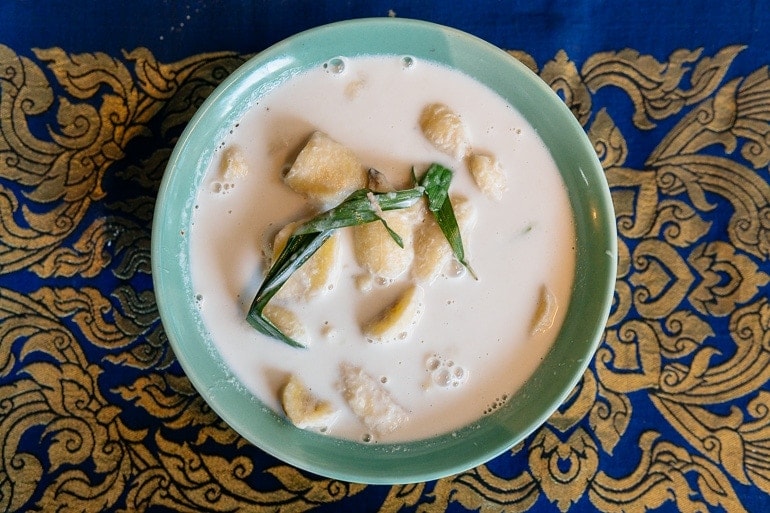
673	413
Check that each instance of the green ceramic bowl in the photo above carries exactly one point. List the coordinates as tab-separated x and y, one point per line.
554	378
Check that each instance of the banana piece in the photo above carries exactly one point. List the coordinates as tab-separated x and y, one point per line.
370	401
545	312
444	129
286	321
465	214
232	164
435	252
377	252
398	320
317	275
326	171
303	409
488	175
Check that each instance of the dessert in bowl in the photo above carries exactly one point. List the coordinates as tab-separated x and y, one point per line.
411	344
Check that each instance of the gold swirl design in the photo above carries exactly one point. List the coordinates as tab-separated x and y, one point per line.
688	332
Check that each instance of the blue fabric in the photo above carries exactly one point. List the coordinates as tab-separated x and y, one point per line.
672	414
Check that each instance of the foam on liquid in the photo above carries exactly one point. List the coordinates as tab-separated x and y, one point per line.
472	348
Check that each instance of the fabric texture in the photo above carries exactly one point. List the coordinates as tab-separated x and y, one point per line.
673	411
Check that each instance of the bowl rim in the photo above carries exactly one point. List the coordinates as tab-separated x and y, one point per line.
593	287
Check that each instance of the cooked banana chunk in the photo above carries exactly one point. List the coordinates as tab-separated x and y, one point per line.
286	321
444	129
325	171
232	164
377	252
465	213
317	275
545	312
370	401
303	409
488	175
398	320
435	252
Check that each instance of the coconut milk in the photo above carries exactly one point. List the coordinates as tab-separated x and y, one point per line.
473	347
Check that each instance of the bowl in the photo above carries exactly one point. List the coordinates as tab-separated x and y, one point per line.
553	379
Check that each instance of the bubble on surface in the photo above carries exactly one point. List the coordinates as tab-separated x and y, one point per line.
335	66
221	187
454	269
444	372
496	404
407	61
442	378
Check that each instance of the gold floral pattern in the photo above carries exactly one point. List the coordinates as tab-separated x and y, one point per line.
687	343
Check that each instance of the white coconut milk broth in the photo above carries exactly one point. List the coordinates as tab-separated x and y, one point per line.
472	348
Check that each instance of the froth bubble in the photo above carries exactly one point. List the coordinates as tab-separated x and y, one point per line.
336	66
442	378
496	404
221	187
454	269
444	372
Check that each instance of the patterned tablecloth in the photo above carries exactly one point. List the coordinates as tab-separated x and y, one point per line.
673	413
